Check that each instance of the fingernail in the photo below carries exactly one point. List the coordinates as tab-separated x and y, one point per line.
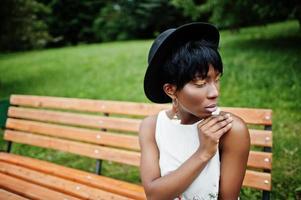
230	124
227	115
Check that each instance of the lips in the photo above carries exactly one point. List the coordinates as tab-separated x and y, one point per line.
211	108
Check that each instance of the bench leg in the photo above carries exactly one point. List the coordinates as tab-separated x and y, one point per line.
9	144
265	195
98	167
99	162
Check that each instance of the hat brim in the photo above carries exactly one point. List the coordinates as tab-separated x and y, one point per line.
153	85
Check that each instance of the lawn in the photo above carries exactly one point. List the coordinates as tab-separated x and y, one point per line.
262	69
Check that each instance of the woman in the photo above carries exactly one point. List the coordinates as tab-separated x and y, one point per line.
190	151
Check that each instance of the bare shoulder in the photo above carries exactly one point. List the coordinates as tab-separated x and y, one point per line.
150	120
238	134
148	126
239	126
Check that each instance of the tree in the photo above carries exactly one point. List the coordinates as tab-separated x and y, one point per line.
196	11
71	20
22	26
136	19
238	13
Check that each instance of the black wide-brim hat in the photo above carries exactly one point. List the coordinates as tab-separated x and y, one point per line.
162	47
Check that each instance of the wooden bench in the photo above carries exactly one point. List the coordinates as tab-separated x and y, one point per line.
102	130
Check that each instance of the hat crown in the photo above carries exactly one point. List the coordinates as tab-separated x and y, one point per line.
157	43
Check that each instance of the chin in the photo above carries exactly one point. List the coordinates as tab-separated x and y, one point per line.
205	115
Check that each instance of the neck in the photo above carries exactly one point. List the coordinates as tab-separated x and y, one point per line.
187	118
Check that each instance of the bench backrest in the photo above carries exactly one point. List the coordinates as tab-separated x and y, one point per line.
107	130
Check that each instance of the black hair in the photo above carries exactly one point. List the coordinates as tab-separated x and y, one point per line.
191	61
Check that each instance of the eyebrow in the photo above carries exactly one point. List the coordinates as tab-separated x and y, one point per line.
199	78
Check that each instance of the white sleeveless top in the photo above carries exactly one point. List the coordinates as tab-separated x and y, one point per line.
177	143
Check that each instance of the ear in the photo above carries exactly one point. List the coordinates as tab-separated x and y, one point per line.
170	90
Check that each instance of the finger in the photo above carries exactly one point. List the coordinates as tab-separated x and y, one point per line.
222	131
221	124
223	113
205	121
215	119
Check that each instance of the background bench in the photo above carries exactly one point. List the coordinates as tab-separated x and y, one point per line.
103	130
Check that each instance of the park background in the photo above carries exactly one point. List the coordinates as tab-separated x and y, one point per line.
98	49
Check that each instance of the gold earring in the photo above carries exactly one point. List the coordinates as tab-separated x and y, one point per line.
175	105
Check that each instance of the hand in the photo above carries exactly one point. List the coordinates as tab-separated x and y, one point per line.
210	131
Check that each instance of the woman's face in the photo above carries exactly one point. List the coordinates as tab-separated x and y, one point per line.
198	98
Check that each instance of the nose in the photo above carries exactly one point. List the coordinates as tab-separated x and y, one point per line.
213	91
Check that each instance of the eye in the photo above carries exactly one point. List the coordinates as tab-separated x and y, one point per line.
217	79
200	85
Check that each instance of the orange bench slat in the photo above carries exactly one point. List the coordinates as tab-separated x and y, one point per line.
250	115
77	119
6	195
260	160
87	105
56	183
261	138
105	183
258	180
90	150
75	133
30	190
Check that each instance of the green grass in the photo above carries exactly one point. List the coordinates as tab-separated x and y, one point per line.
262	69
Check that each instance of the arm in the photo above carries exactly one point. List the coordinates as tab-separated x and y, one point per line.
175	183
234	147
171	185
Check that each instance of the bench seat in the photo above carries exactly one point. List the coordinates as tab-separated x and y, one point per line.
60	182
101	130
